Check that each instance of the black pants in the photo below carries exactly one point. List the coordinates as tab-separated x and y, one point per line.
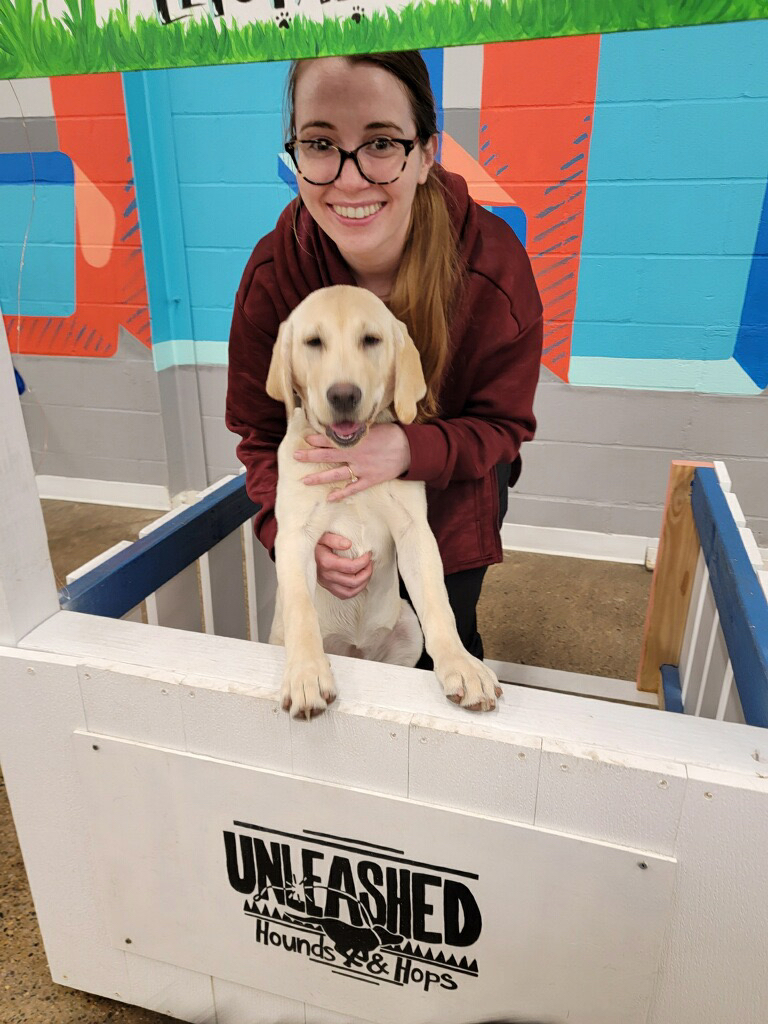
464	587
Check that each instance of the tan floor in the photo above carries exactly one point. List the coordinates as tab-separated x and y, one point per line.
563	613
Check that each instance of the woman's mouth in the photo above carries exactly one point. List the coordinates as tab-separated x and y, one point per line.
356	213
346	433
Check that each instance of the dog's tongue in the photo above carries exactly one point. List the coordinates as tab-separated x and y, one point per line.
346	428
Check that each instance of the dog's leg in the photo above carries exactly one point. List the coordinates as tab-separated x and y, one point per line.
465	679
308	686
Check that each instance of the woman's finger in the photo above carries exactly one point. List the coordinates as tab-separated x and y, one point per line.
320	455
330	476
345	566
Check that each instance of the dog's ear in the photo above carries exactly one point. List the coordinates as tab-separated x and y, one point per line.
410	385
280	376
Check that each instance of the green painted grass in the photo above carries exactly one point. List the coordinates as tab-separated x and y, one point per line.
32	43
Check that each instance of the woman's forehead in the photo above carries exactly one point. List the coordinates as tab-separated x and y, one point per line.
336	93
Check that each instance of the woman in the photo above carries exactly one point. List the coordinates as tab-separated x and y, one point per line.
376	210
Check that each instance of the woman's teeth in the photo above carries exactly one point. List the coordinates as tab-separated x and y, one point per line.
357	212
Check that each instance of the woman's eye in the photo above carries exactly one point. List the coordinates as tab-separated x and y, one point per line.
381	145
317	145
370	340
313	343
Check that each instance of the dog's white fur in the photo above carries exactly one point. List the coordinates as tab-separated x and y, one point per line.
355	340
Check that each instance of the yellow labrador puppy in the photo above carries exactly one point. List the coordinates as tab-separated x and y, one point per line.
341	363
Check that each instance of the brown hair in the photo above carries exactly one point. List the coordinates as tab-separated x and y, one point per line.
430	276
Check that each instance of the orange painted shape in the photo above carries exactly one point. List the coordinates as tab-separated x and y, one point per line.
482	187
110	283
537	110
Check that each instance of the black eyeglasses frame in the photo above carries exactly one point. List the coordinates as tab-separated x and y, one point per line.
351	154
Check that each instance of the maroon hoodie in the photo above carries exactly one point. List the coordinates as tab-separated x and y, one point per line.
486	398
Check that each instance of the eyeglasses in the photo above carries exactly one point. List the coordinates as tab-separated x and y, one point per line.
380	161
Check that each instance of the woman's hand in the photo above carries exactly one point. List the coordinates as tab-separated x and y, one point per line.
340	576
383	454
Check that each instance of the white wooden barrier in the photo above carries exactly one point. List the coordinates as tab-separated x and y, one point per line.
193	850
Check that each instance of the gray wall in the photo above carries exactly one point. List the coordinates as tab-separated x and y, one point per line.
601	457
98	419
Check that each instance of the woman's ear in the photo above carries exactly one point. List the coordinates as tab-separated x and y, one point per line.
410	385
428	157
280	376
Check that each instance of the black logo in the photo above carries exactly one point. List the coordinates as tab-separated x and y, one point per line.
364	911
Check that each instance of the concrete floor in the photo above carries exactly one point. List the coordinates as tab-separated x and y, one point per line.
564	613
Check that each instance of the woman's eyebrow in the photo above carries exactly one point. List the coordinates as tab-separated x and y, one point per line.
316	124
383	124
373	126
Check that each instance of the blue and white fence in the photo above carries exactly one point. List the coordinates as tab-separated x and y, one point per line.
723	667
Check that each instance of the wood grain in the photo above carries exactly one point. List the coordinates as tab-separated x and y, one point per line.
672	581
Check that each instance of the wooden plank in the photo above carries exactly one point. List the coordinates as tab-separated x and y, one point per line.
740	599
672	580
717	937
600	687
120	583
223	588
176	604
261	583
27	587
234	667
716	676
697	663
693	623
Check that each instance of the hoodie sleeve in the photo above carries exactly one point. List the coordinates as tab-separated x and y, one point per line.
250	412
497	366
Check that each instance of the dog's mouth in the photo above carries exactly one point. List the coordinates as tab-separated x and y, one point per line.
346	432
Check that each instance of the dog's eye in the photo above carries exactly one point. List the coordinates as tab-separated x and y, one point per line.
313	343
370	340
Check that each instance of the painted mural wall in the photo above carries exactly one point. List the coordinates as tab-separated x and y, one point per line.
633	165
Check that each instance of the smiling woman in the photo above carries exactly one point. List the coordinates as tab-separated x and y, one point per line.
376	210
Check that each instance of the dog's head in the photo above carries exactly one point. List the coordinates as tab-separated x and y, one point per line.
348	359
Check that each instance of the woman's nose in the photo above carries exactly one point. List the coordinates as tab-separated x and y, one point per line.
350	176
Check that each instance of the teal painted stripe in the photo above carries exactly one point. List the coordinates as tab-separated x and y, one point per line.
715	377
148	108
189	353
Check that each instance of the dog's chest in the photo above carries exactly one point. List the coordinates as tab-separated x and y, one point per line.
359	519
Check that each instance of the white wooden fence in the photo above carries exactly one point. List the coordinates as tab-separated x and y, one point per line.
194	850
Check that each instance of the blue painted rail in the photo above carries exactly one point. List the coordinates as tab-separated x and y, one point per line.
740	600
126	579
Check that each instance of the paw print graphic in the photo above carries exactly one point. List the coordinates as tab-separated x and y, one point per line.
283	19
358	13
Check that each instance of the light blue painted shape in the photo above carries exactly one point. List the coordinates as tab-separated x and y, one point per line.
657	64
212	324
229	89
724	377
225	129
648	194
37	234
230	216
216	273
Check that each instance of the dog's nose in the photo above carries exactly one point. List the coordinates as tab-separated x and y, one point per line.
343	398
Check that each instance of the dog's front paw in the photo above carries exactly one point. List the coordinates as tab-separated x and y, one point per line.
468	682
308	688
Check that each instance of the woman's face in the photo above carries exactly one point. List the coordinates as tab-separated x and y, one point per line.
348	104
